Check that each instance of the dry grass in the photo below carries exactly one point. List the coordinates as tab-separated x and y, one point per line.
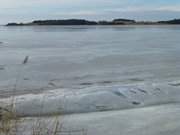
8	123
11	125
43	128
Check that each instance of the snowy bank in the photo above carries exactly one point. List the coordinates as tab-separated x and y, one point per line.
154	120
93	99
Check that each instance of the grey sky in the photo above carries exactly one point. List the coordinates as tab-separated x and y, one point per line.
28	10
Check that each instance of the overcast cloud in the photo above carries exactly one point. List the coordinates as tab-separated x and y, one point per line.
28	10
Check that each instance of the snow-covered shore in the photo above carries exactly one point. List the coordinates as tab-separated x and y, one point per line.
154	120
93	99
102	110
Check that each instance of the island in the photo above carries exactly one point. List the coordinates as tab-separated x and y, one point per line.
175	21
56	22
87	22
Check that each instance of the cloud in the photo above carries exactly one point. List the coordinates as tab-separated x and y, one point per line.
175	8
172	8
78	13
20	10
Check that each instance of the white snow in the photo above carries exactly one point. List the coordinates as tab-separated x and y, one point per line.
93	99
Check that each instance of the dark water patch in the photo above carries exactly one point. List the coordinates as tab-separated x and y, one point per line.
100	82
86	84
96	83
136	80
2	44
132	91
118	93
141	90
136	103
52	84
175	84
106	82
2	68
26	79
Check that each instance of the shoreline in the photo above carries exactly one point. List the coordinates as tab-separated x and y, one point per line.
159	119
124	25
120	21
93	99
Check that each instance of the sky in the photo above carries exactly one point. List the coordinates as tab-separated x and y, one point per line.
28	10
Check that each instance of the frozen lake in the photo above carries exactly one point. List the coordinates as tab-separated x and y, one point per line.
74	57
102	79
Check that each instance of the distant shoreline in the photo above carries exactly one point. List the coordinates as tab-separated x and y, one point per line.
69	22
